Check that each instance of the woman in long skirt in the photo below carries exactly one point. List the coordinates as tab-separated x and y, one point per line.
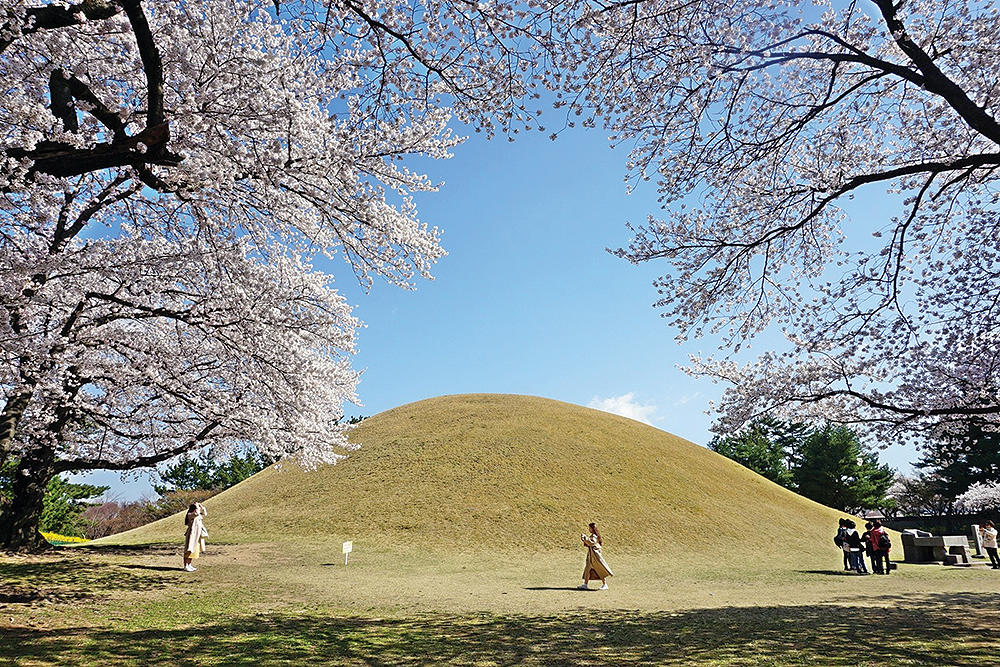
595	568
194	538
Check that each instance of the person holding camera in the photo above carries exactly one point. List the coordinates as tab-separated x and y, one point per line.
194	537
595	567
988	533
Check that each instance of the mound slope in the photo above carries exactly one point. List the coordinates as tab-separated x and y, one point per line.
502	472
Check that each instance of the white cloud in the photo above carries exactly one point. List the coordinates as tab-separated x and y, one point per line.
684	400
626	406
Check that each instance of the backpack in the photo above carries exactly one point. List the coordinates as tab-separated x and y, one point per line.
838	540
883	542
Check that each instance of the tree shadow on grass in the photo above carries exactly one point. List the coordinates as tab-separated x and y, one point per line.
150	549
914	630
67	575
155	568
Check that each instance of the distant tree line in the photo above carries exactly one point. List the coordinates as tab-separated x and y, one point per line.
189	478
828	464
960	475
73	510
63	504
207	473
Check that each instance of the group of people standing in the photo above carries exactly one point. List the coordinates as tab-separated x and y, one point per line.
874	543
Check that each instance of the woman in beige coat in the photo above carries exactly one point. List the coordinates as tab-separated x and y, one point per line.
595	568
194	538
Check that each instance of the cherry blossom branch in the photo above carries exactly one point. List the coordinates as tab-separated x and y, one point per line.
378	27
908	414
65	465
63	234
61	160
149	147
52	17
76	89
151	63
771	58
708	242
934	79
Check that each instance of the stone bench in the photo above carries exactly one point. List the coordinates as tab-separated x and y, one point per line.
947	549
960	559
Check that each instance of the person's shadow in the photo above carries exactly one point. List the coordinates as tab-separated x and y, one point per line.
554	588
159	568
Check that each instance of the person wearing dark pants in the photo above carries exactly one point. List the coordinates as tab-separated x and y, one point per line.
866	541
989	534
857	549
881	545
841	541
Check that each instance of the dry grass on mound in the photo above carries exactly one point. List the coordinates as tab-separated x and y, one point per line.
520	474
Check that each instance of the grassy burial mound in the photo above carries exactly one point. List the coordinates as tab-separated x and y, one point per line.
515	473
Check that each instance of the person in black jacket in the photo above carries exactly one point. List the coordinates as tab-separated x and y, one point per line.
857	549
841	541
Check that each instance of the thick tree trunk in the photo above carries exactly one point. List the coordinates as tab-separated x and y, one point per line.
19	521
10	417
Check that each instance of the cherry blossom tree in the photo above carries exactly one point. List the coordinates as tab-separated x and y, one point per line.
980	497
777	135
169	172
137	349
920	495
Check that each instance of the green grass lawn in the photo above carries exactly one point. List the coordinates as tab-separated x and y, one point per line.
297	604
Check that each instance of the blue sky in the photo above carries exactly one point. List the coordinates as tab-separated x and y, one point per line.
528	301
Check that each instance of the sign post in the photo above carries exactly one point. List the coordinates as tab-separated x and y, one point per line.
348	548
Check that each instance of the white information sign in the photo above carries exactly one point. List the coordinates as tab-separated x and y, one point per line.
348	548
